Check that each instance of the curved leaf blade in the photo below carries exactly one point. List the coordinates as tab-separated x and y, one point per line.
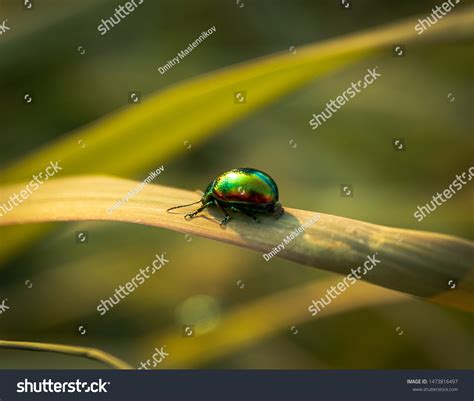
415	262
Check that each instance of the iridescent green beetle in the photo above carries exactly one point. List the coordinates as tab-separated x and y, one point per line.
244	190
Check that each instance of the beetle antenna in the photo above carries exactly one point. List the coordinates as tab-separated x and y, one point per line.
177	207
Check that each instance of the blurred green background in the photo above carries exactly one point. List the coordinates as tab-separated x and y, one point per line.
40	55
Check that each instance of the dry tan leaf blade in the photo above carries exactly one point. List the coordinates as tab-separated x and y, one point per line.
435	267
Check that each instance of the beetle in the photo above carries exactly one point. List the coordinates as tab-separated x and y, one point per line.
244	190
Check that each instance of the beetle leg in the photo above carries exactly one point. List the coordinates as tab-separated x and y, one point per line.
189	216
277	210
226	219
255	218
246	213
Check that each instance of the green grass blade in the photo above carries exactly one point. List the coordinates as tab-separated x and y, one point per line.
136	137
